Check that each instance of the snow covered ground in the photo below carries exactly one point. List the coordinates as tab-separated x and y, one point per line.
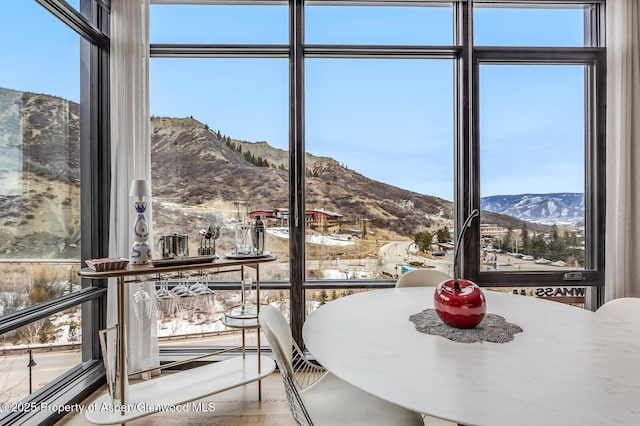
316	238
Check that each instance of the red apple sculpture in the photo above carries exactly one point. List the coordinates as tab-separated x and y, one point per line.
458	302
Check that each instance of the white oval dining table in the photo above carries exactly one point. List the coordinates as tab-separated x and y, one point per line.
569	366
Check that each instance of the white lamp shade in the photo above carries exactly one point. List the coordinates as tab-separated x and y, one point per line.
139	188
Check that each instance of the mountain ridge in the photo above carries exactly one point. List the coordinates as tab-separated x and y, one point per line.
192	166
548	209
328	185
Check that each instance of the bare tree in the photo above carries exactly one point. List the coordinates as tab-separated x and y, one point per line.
36	331
14	286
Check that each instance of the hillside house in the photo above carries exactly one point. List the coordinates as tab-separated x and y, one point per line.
316	219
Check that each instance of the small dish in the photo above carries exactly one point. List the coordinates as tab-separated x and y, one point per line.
107	264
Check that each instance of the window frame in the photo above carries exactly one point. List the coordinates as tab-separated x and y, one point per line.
91	24
467	59
594	60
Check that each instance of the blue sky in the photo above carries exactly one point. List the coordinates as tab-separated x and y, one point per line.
41	57
389	120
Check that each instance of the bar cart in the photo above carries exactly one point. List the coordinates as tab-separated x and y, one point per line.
155	395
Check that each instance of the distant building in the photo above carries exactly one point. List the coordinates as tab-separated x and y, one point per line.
491	231
272	217
321	219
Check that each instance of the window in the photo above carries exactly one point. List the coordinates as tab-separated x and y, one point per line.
54	345
380	162
220	142
218	24
371	25
210	162
272	93
534	118
51	130
521	26
39	169
397	128
540	137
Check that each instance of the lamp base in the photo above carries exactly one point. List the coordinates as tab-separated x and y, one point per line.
140	253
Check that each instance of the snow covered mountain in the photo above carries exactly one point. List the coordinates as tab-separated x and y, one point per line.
548	209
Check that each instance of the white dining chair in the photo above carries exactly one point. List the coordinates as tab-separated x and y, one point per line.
317	397
625	309
423	277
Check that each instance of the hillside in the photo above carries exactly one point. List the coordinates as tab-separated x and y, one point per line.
194	169
193	166
558	208
39	176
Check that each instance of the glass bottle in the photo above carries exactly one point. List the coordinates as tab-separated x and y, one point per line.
246	309
258	235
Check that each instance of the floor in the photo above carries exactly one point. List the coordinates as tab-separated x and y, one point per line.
235	407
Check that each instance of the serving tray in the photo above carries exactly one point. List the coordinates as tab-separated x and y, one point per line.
247	256
183	261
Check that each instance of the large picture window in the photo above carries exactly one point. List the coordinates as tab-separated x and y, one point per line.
379	163
219	150
538	147
398	127
39	187
532	166
362	133
52	119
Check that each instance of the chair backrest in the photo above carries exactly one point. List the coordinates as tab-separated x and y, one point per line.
275	327
625	309
278	334
423	277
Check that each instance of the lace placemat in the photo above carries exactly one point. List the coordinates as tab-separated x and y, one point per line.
493	328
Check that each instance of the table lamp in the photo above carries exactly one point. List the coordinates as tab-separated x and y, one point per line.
140	249
458	302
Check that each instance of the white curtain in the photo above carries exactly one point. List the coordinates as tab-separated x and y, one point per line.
623	150
130	159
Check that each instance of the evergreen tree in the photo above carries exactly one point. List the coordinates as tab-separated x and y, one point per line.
538	246
424	240
555	247
524	236
443	234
